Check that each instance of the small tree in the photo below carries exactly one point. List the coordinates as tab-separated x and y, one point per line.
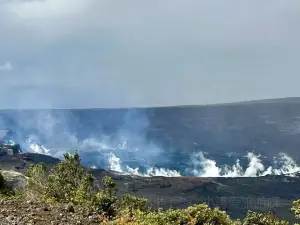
37	180
85	193
68	182
131	203
107	200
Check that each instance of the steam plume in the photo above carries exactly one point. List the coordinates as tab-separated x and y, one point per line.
125	150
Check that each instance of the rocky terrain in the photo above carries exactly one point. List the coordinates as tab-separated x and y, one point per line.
29	213
234	195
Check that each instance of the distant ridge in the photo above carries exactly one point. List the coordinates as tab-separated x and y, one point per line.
272	100
289	100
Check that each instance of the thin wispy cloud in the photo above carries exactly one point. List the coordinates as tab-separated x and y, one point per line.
6	67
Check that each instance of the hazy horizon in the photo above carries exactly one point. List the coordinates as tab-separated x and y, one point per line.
158	106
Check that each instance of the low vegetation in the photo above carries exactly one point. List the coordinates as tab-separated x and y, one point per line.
69	183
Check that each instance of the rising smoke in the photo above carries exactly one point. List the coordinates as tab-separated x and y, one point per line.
126	150
54	132
282	165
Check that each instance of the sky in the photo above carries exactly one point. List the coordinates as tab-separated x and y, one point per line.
115	53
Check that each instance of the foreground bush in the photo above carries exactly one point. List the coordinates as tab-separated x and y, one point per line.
107	200
194	215
67	183
37	179
296	208
254	218
131	204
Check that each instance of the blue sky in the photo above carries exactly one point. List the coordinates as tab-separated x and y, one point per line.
103	53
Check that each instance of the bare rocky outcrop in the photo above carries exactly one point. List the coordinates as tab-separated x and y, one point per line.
14	179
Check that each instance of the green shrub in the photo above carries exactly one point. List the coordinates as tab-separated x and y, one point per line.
255	218
107	200
167	217
85	193
194	215
203	214
130	204
296	208
36	182
67	182
64	179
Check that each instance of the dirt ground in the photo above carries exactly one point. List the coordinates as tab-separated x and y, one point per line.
29	213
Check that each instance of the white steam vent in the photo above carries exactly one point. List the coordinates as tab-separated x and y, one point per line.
203	167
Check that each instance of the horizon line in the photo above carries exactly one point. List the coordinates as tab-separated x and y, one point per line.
164	106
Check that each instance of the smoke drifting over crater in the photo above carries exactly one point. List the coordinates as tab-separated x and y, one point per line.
119	142
55	132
